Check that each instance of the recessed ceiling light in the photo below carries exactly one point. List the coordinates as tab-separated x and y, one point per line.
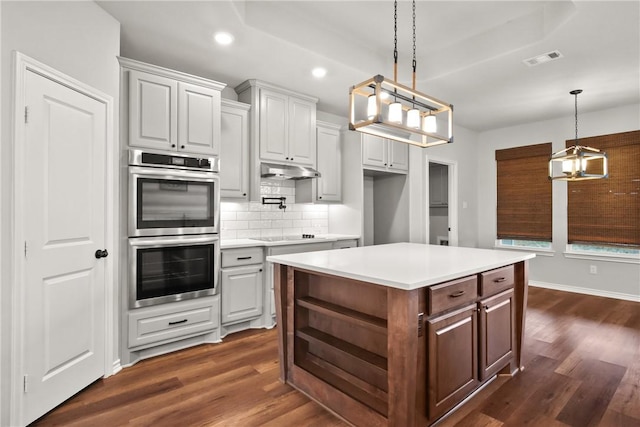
223	38
319	72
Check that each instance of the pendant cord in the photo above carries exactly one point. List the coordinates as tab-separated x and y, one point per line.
576	103
414	63
395	41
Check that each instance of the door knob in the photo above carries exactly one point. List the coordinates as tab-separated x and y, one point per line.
101	253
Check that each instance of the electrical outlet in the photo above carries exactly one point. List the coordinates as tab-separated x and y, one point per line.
593	269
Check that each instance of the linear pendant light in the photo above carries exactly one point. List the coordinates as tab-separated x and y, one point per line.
575	159
385	108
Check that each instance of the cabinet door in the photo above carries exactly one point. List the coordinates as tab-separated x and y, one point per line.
234	152
302	132
496	333
329	165
198	119
152	111
437	189
398	155
452	371
273	126
241	294
374	151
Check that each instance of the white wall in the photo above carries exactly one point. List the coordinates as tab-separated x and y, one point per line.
612	278
79	39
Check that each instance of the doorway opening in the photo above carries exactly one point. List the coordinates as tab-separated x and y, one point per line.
442	202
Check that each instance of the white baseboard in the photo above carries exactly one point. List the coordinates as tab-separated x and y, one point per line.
116	367
586	291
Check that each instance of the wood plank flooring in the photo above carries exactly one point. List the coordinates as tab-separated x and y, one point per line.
581	357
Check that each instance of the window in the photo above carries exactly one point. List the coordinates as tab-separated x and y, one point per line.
524	194
606	212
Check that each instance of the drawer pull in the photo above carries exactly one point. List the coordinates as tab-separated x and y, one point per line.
240	258
177	322
499	280
457	294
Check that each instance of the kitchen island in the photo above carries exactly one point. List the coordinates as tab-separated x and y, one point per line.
398	334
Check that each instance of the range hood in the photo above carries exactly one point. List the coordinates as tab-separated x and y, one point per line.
272	170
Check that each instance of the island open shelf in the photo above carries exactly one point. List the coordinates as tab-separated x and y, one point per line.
392	350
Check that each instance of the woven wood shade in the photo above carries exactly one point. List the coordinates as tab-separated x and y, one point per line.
607	211
524	193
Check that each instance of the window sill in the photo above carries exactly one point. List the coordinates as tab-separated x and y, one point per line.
537	251
593	256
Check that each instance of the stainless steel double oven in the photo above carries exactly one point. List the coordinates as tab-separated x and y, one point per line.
174	212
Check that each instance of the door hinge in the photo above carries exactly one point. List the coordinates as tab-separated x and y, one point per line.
26	114
25	248
25	383
420	324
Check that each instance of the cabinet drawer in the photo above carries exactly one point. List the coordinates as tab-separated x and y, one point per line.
242	256
173	321
452	294
494	281
345	244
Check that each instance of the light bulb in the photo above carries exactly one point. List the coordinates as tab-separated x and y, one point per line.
413	118
395	112
429	124
372	109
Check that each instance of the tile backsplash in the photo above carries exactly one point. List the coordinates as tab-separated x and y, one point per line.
243	220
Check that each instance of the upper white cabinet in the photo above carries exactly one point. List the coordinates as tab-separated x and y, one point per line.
384	154
327	188
438	185
283	127
234	150
170	110
329	185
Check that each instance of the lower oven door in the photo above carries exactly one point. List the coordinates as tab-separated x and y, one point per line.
172	268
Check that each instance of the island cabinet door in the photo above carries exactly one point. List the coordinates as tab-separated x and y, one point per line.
452	362
496	333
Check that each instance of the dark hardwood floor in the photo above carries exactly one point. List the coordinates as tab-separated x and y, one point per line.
581	357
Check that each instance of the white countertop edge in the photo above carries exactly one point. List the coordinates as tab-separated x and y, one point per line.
385	281
246	243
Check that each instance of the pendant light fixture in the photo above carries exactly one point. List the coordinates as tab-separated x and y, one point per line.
576	159
385	108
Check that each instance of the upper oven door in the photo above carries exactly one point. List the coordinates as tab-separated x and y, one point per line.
164	201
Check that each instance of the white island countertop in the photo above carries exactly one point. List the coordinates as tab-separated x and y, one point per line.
405	266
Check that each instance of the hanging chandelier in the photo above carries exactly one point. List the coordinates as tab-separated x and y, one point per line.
385	108
578	162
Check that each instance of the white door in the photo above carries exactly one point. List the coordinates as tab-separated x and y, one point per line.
64	225
302	132
198	119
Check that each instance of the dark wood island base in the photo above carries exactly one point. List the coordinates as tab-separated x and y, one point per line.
382	356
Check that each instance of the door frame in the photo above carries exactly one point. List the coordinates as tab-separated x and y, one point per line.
452	196
22	65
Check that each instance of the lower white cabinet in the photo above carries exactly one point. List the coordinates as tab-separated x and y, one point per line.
150	326
242	285
242	293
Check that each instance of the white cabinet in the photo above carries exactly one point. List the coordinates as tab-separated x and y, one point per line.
170	110
329	185
152	326
327	188
286	128
345	244
242	286
283	128
234	150
384	154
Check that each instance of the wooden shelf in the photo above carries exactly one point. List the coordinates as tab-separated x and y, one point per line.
378	401
360	355
372	323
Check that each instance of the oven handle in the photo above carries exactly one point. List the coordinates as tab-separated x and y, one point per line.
151	242
167	173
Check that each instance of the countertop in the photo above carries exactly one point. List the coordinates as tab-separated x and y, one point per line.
404	266
245	243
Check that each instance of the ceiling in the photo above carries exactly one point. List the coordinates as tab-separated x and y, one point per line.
469	53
